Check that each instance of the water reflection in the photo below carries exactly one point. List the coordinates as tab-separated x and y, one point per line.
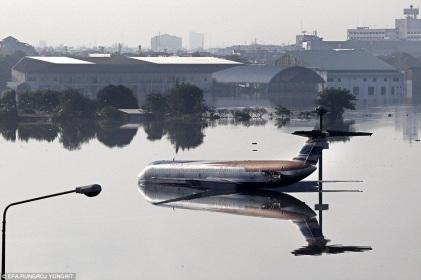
190	134
248	123
181	133
72	135
8	130
114	135
259	203
41	132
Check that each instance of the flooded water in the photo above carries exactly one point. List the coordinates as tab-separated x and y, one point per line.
118	235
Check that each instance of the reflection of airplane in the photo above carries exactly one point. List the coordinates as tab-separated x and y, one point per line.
251	188
259	203
210	178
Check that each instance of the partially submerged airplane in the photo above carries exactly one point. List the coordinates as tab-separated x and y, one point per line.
251	188
211	178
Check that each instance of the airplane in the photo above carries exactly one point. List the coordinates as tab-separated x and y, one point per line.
213	178
256	203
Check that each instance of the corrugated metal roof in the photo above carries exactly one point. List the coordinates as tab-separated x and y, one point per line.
185	60
113	65
60	59
341	60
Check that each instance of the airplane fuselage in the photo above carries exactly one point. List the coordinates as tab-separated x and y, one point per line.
250	174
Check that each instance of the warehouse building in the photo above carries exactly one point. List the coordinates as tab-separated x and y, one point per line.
364	75
143	75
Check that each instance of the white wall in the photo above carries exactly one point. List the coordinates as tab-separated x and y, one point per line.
393	84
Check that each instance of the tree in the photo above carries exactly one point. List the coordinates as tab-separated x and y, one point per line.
242	115
75	105
282	112
257	112
336	101
116	96
8	109
186	99
156	103
41	100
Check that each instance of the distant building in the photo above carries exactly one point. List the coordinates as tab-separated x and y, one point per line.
364	75
301	39
254	53
409	28
406	29
375	47
166	43
143	75
10	45
370	34
196	41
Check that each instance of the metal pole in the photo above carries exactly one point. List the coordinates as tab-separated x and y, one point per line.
321	113
3	240
320	191
3	251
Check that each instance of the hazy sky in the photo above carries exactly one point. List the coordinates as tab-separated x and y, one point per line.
224	22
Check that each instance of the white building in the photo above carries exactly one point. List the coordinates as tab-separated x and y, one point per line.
196	41
408	29
370	34
364	75
143	75
166	43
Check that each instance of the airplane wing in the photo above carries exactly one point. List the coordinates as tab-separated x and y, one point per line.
309	186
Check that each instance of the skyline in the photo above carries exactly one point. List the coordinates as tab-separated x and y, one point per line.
223	24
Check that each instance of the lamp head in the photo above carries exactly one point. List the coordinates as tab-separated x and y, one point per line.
90	190
321	111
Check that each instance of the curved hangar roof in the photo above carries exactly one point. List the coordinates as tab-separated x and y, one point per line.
262	74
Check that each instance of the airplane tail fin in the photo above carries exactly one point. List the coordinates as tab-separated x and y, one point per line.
311	151
317	142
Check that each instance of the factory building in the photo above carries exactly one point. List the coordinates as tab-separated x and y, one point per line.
143	75
364	75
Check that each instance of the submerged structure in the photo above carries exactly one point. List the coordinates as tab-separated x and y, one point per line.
143	75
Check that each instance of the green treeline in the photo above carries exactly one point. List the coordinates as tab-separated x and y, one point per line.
66	104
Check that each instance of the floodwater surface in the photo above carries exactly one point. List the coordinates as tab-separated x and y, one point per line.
118	235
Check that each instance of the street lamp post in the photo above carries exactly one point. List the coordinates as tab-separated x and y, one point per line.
90	191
